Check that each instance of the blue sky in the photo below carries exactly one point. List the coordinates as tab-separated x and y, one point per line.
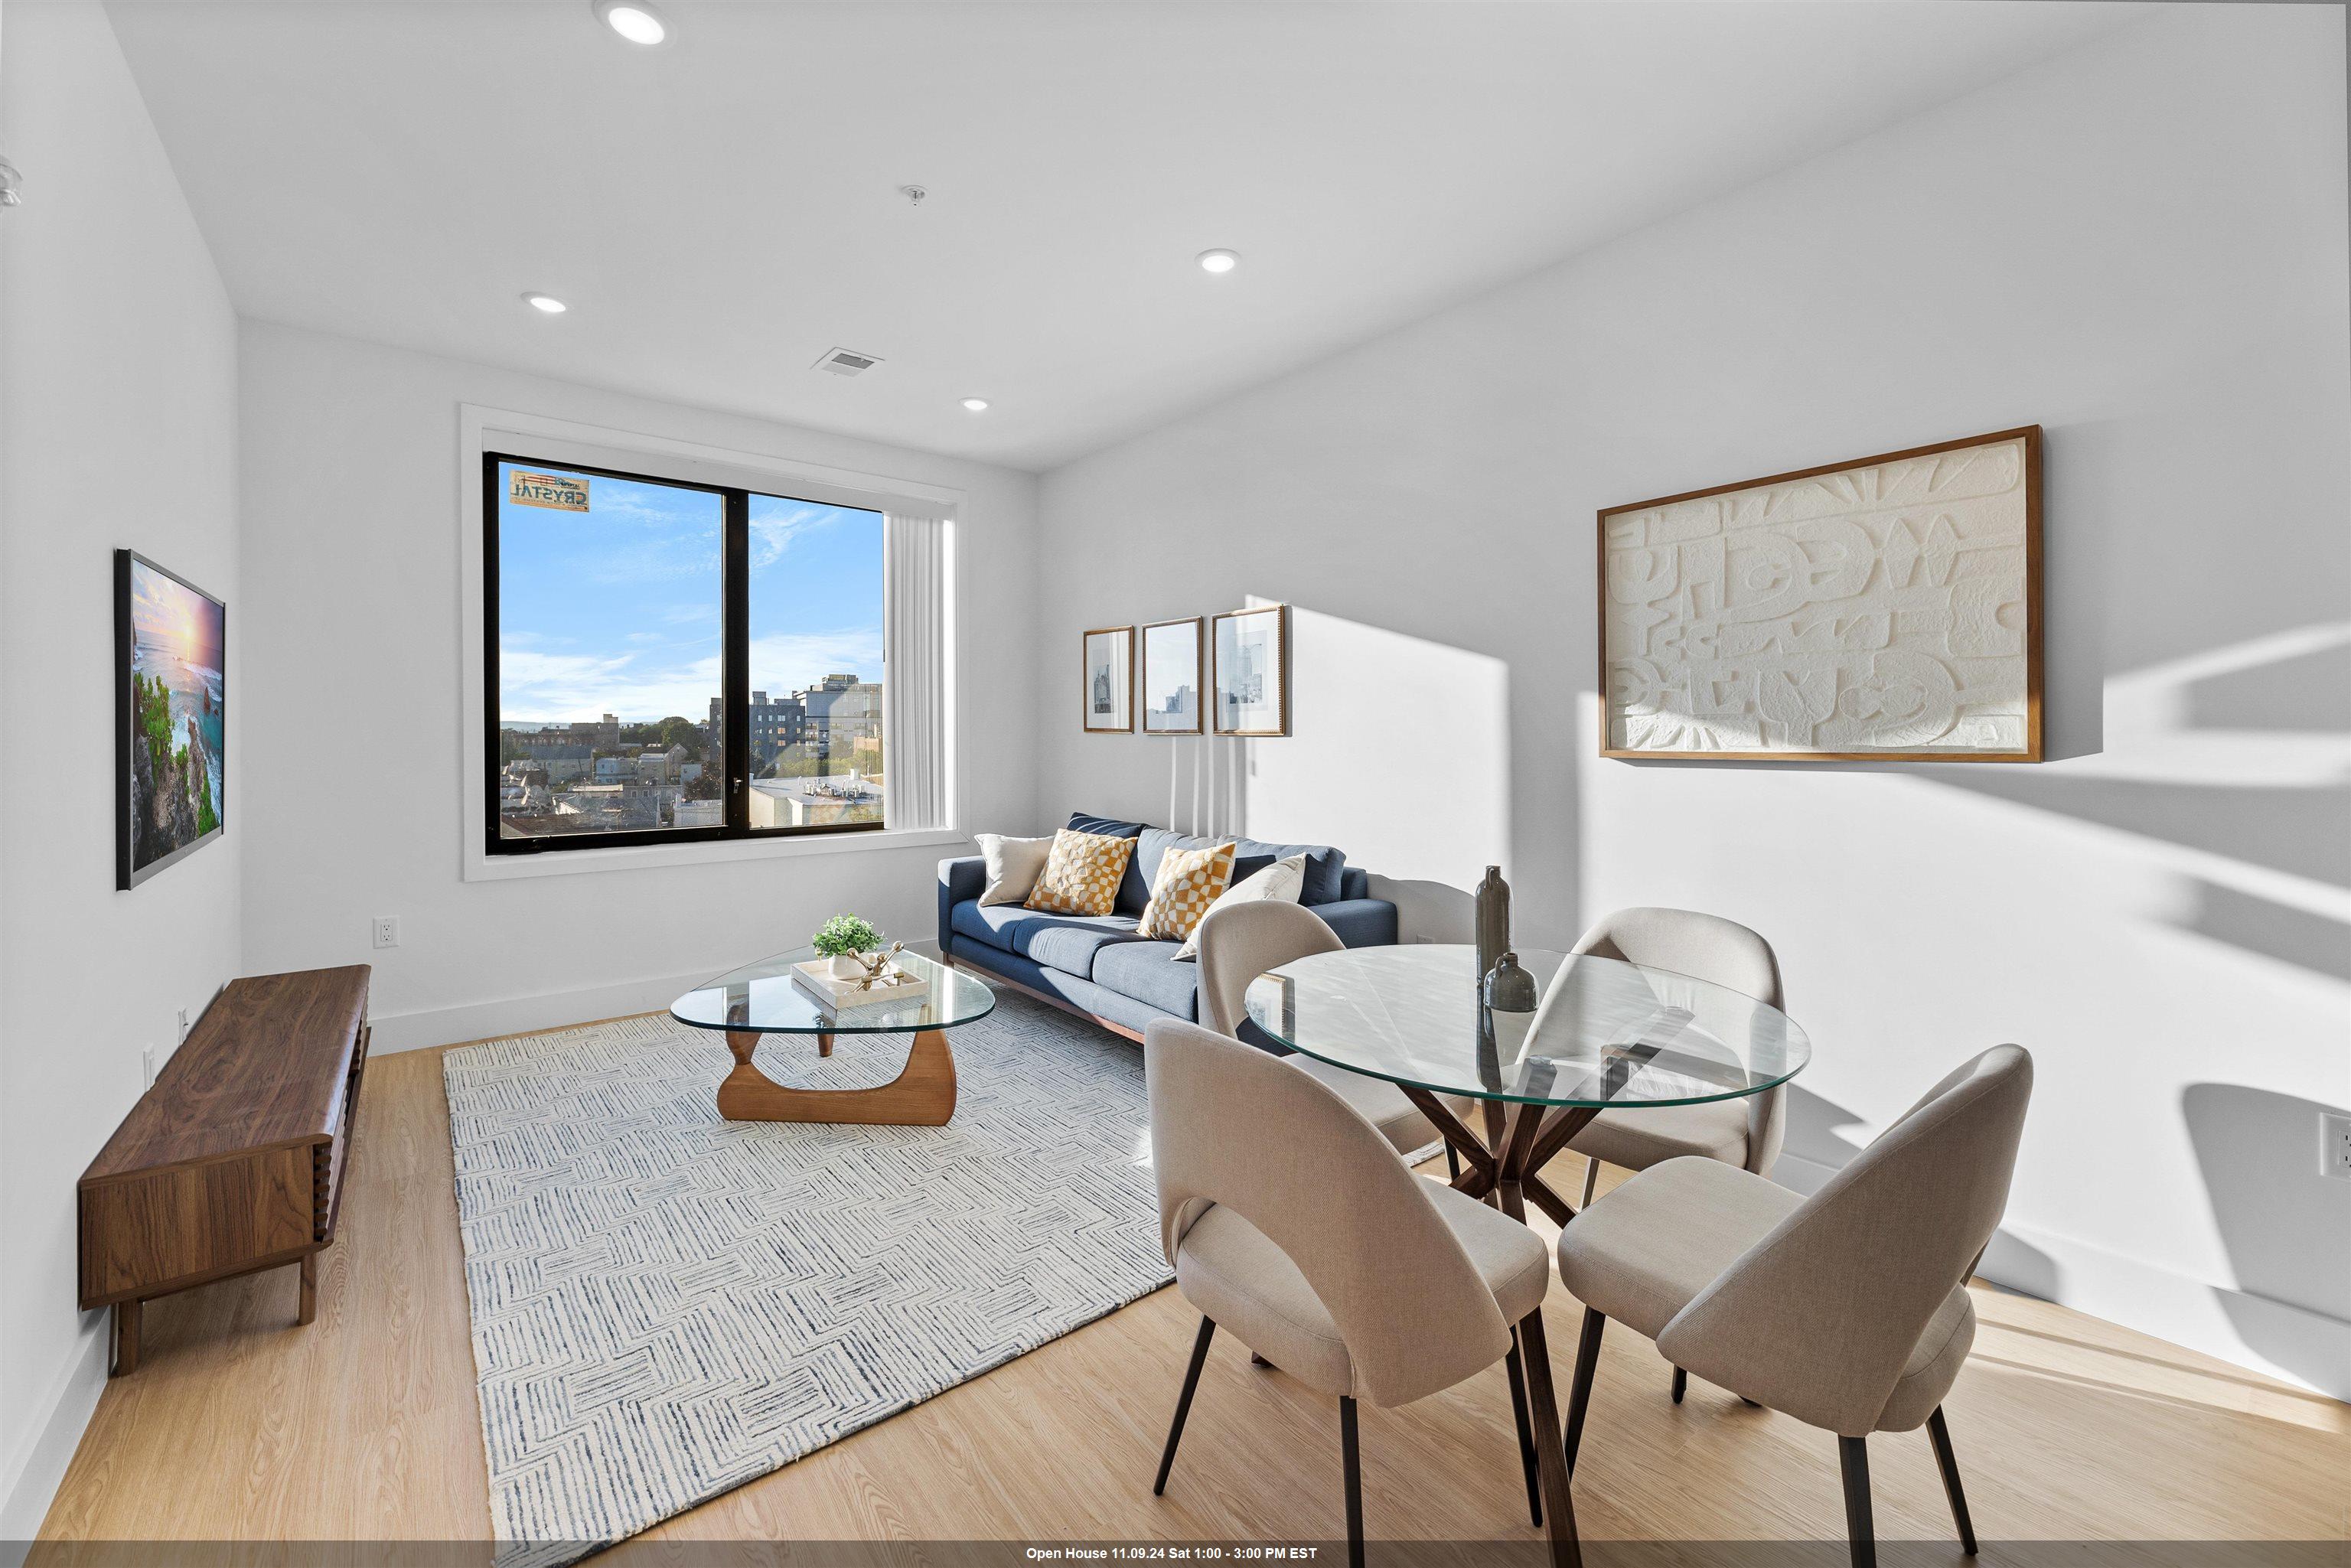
616	610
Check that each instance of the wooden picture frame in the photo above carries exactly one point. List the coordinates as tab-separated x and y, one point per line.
1912	587
1106	680
1155	704
1232	708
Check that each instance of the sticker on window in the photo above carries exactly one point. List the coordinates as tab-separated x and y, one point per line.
559	491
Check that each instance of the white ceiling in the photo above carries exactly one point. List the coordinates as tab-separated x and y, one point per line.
721	211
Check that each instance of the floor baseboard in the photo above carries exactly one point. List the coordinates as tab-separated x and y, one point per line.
33	1487
424	1027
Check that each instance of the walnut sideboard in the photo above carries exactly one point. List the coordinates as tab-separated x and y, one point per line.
234	1159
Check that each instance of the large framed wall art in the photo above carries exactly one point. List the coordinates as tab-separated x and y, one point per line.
1886	609
171	718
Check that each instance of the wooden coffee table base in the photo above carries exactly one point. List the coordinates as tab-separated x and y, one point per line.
924	1096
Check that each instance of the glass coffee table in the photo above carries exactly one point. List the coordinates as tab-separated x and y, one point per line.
762	998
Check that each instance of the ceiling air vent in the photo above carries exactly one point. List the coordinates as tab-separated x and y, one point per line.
846	362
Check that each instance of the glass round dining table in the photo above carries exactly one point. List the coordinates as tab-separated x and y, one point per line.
1603	1034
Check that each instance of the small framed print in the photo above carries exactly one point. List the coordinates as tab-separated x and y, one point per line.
1110	680
1252	661
1174	672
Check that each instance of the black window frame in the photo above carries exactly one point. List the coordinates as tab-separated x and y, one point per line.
735	660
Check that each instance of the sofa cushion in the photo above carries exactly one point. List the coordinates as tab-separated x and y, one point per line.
1083	995
1134	888
1064	942
1324	865
1148	972
1081	874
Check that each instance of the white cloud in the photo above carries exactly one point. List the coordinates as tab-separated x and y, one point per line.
772	533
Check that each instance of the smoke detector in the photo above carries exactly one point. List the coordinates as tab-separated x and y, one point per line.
846	362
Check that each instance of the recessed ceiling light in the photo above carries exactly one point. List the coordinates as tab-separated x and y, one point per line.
633	20
977	404
1219	260
547	302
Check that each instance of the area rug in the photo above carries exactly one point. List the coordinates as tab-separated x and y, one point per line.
666	1305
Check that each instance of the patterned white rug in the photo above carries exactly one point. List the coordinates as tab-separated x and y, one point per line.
666	1305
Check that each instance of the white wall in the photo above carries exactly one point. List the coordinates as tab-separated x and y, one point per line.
117	401
353	478
2140	245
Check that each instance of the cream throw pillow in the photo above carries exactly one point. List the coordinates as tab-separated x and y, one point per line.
1081	874
1013	866
1189	881
1282	881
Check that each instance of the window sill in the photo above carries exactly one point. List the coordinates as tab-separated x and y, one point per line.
483	866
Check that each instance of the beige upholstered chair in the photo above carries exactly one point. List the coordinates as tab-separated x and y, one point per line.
1849	1309
1241	941
1289	1221
1744	1131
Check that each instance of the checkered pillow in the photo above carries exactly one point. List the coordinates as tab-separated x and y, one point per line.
1189	881
1082	873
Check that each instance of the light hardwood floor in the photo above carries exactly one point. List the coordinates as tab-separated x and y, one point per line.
242	1426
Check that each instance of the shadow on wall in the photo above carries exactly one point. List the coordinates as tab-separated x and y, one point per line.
2239	755
2286	1226
1823	1136
1399	752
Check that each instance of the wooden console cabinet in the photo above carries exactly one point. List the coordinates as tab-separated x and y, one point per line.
235	1160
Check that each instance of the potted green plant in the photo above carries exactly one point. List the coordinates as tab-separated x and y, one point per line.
841	939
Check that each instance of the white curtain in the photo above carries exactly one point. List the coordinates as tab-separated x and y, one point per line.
917	717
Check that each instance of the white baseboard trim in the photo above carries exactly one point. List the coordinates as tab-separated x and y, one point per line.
427	1027
2296	1345
41	1468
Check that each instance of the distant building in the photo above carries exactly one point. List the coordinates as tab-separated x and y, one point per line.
771	726
815	803
656	766
841	712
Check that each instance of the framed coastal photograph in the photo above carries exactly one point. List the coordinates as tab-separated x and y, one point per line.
1252	674
1110	680
1175	654
1886	609
171	704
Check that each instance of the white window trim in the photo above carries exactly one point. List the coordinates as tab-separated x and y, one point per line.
484	429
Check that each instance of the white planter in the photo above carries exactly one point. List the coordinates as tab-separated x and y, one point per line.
848	967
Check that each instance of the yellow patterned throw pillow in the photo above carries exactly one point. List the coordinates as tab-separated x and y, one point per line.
1189	881
1082	873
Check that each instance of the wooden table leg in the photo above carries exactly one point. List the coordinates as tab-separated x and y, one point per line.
824	1045
1551	1456
309	1309
922	1095
126	1338
1534	1350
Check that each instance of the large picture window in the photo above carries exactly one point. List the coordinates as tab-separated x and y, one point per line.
669	660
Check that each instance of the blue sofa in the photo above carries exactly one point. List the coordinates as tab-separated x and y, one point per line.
1096	964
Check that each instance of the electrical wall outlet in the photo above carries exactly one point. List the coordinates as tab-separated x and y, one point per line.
387	931
183	1039
2334	1145
147	1065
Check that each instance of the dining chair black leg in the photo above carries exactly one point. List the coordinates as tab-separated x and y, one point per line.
1861	1535
1579	1392
1681	1383
1590	1182
1452	1161
1526	1429
1184	1402
1939	1432
1351	1457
